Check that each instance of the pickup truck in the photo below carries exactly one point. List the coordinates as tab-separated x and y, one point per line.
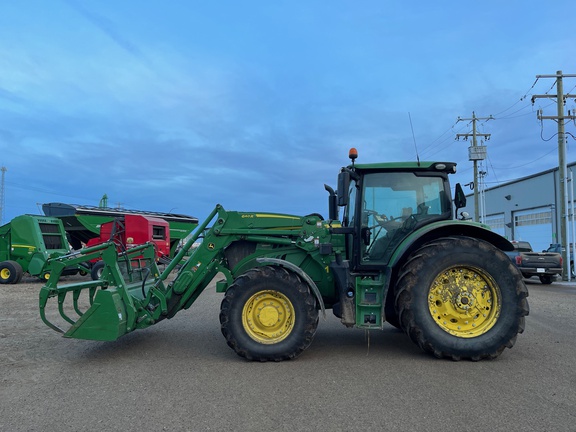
545	265
555	247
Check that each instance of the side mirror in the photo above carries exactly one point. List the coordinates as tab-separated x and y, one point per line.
459	197
343	188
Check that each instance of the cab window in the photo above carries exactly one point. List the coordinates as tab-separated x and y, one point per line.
393	205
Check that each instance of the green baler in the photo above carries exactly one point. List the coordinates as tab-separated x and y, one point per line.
26	244
395	256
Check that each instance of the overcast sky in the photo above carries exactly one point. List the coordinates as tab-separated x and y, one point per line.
180	105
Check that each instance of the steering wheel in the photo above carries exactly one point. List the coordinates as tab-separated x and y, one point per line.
381	219
388	223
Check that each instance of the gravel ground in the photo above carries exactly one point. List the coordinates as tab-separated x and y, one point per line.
181	375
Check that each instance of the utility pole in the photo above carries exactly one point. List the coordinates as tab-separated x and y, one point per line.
2	199
475	153
560	118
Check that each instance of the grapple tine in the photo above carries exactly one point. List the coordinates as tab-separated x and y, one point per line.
91	293
48	323
75	297
44	295
61	298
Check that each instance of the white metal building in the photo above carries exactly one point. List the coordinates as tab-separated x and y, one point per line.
528	208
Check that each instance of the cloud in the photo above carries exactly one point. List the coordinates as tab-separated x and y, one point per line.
255	106
109	29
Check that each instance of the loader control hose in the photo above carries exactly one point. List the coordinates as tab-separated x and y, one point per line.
144	281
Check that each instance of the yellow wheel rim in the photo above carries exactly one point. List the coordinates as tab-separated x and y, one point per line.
46	276
268	317
5	274
464	301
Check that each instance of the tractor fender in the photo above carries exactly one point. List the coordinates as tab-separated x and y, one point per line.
299	272
447	229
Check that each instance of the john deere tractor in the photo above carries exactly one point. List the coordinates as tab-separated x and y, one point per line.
397	255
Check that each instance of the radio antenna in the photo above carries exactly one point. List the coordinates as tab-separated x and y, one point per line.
414	138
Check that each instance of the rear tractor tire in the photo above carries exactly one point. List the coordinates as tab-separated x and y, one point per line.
461	298
268	314
10	272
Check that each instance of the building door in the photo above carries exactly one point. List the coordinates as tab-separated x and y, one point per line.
534	226
496	223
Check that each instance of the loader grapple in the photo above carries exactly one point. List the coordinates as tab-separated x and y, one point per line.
104	309
130	293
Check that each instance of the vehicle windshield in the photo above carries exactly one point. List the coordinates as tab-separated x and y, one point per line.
393	205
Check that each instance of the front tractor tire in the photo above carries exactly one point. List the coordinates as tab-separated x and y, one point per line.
268	314
461	298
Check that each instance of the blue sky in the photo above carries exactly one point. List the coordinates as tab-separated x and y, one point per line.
180	105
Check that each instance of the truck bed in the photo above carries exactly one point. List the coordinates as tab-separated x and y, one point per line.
545	265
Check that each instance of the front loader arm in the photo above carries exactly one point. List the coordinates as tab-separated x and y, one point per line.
130	296
200	267
132	293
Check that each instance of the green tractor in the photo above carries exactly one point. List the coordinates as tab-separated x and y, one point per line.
395	256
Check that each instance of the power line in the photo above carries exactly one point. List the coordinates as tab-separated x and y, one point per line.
519	100
431	148
493	170
542	134
553	84
528	163
512	113
444	133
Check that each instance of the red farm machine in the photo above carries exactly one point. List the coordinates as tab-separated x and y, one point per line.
129	231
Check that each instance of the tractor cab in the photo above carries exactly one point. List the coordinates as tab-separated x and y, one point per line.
386	202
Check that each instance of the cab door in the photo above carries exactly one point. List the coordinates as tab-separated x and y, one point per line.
390	206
